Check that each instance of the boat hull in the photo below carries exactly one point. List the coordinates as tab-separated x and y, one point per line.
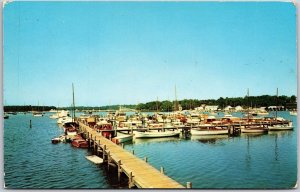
254	130
80	143
122	139
280	128
156	134
209	132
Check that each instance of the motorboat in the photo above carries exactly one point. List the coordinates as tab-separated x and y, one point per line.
155	134
122	138
254	129
209	131
281	127
80	143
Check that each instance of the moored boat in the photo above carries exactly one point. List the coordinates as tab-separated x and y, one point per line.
37	114
209	131
55	140
281	127
155	134
254	129
80	143
122	139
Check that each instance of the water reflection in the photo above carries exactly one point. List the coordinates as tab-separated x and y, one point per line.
209	139
248	154
154	140
276	148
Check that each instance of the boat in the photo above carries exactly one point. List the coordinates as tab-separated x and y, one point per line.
37	114
80	143
95	159
61	138
104	128
5	116
293	113
63	120
281	127
254	129
155	134
54	116
209	131
55	140
122	138
12	113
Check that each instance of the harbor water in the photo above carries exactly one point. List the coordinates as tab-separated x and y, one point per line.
263	161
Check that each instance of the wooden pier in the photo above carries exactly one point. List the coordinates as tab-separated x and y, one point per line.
138	171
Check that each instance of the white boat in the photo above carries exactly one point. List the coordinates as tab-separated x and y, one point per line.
293	113
281	127
254	130
122	138
95	159
54	116
155	134
208	131
63	120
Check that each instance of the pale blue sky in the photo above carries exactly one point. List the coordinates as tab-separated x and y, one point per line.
130	52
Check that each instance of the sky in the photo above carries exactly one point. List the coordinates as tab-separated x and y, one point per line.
133	52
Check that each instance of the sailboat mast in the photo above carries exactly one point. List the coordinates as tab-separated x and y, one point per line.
276	104
248	103
73	115
157	104
176	103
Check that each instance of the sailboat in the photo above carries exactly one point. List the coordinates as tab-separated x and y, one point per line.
252	128
280	127
37	113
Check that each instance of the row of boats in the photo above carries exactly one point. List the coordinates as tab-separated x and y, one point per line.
120	127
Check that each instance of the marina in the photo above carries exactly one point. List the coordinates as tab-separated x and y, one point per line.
148	154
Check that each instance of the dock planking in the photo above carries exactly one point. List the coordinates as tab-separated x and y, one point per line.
139	172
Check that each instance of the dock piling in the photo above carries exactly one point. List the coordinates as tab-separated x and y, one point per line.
189	185
119	171
130	181
30	125
162	170
146	159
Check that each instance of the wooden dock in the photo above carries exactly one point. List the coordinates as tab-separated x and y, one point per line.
139	172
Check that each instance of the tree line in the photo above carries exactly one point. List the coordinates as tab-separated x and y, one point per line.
251	101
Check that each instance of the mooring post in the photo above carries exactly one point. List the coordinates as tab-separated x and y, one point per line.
30	125
91	139
130	180
133	152
122	145
119	171
189	185
95	144
108	160
162	170
146	159
103	152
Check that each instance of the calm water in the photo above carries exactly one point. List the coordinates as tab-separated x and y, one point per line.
248	161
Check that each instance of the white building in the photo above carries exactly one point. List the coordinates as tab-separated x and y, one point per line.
228	108
239	108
